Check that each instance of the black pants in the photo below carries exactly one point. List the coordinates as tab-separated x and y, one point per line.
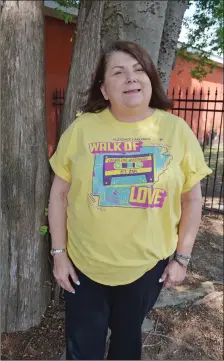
95	307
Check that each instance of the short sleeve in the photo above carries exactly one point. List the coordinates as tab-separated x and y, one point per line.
193	164
60	161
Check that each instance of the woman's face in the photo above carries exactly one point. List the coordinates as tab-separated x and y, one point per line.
125	83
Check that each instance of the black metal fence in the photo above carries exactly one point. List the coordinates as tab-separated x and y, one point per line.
203	111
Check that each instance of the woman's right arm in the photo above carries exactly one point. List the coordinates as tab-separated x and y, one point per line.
57	214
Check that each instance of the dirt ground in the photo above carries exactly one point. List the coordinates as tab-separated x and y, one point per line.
183	332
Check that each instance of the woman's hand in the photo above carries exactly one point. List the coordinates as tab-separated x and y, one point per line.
63	268
173	275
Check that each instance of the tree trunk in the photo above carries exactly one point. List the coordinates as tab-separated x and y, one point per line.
171	31
138	21
84	58
25	171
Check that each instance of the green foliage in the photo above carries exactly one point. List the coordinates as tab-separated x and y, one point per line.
205	35
43	230
67	4
204	65
199	72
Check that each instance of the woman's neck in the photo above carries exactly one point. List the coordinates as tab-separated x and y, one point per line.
132	115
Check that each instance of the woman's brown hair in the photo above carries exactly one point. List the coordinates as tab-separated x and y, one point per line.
96	101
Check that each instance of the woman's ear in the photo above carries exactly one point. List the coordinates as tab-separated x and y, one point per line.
103	91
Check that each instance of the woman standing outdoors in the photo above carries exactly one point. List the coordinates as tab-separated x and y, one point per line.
126	196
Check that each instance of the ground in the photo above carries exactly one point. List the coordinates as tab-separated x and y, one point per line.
189	332
182	332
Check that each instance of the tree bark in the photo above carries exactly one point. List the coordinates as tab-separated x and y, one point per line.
25	269
171	31
84	58
138	21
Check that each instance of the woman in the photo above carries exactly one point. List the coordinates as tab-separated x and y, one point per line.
126	196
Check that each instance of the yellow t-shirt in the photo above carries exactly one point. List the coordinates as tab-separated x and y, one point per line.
126	184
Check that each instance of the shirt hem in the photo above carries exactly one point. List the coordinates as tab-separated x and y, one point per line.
59	173
197	177
113	284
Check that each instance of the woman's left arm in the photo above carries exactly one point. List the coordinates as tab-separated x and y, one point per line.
191	207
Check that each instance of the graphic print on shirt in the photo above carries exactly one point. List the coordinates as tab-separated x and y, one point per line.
125	173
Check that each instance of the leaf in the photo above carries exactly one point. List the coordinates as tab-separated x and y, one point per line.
43	230
46	212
